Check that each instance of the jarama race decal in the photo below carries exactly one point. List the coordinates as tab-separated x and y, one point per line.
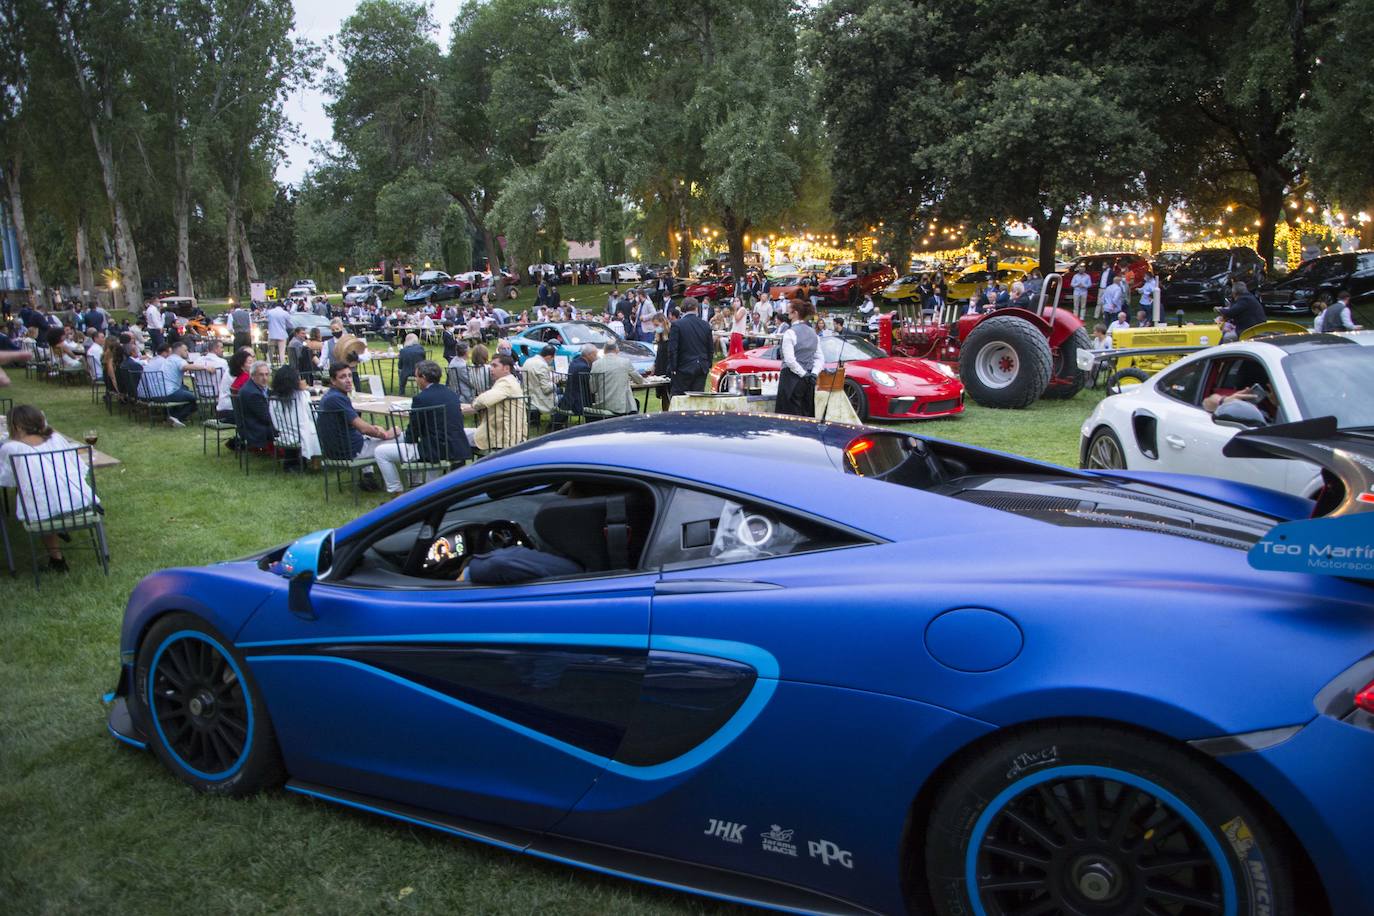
1238	834
779	841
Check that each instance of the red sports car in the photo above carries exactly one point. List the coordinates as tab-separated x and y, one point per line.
878	386
847	284
717	288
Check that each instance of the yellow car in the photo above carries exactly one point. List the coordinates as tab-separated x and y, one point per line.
1023	263
903	288
972	280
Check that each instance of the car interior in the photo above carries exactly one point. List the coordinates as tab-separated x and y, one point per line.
1238	374
606	526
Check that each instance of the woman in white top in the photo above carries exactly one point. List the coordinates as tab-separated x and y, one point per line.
49	486
737	326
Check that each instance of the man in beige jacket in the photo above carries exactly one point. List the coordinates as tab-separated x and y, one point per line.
611	378
502	409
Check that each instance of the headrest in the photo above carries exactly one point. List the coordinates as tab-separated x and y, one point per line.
576	528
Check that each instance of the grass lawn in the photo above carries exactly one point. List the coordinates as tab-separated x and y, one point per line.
92	826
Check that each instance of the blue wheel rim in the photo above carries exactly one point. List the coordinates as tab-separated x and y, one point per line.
1152	792
197	692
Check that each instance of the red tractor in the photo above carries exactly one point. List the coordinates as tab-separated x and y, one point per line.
1008	357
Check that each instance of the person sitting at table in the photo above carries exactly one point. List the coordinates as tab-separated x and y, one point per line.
422	441
95	354
610	380
450	342
480	370
299	355
61	349
231	382
581	365
460	374
340	427
59	487
289	406
162	383
408	358
537	380
255	429
500	427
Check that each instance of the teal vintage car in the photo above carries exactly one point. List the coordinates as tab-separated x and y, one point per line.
569	337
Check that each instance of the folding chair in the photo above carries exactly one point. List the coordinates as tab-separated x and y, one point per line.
287	430
205	383
55	498
336	450
590	387
93	369
427	429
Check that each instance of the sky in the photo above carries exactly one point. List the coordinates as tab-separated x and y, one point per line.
317	20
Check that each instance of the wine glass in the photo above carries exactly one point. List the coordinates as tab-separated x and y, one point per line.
92	436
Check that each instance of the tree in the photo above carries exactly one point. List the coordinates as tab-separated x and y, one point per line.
1334	128
16	113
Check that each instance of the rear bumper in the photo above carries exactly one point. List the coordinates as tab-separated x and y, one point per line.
1317	781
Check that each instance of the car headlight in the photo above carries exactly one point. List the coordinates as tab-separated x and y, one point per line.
945	369
882	378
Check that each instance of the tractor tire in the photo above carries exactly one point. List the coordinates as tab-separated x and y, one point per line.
1066	379
1125	378
1005	363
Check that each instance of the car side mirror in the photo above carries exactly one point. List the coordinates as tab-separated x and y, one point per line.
1239	414
302	563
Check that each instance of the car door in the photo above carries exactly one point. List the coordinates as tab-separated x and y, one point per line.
500	704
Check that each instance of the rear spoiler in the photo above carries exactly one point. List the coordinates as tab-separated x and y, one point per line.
1345	455
1339	541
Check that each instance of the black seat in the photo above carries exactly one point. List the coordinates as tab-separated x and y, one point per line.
593	531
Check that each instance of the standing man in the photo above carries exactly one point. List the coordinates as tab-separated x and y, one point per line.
1245	310
450	342
152	317
1149	292
1080	284
802	362
1110	302
241	321
992	262
689	349
277	320
1104	283
611	378
425	441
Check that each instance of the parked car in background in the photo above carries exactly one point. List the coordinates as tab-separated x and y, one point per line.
715	286
618	273
431	277
355	283
299	294
1204	278
849	283
381	290
970	281
1329	274
432	292
569	337
308	284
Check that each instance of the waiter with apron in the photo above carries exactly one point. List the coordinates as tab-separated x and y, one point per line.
802	361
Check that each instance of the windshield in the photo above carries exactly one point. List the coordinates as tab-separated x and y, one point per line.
581	333
1205	263
358	280
848	349
1334	381
842	271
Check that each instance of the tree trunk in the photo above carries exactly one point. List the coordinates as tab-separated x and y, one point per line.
1047	226
131	280
1367	227
250	266
493	254
1270	211
231	235
1158	213
181	213
85	275
32	279
734	237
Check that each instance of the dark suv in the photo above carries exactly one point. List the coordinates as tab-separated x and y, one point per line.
1353	270
1204	278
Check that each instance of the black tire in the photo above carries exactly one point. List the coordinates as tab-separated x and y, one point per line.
1005	362
1100	820
857	399
220	740
1116	379
855	295
1104	452
1066	379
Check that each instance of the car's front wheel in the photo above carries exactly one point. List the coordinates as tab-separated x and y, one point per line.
1100	820
201	711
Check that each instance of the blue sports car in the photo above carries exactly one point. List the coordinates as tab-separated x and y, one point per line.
569	336
817	668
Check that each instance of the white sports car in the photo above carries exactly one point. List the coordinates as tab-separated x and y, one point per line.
1166	423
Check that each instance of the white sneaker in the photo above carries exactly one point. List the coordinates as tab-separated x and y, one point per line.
173	421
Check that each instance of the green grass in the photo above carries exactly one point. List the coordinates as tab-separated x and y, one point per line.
92	826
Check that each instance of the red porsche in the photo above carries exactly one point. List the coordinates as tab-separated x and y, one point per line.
877	385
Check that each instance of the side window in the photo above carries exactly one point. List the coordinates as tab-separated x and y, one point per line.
704	529
1364	265
1236	375
1182	384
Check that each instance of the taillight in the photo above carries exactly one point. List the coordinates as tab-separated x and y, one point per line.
1365	698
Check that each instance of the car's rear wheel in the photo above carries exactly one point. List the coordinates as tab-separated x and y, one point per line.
1102	821
1104	452
200	709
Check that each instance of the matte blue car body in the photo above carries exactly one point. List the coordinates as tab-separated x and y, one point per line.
849	665
523	346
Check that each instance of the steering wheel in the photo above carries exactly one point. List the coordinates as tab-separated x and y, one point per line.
504	534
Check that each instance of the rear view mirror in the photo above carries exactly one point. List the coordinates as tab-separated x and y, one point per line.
1240	414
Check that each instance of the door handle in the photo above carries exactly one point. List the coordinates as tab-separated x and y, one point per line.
710	586
1176	441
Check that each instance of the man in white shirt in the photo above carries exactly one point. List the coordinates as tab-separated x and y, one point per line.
802	362
95	354
152	317
1080	284
1149	291
1110	302
277	333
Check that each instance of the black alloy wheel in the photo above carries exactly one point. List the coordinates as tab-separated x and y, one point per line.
198	702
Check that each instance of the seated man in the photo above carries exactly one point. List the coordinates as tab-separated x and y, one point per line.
255	428
422	441
611	378
162	382
509	565
503	425
343	434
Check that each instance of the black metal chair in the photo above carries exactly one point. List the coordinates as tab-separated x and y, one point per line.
56	499
129	375
336	450
427	430
590	385
97	378
507	423
153	392
286	440
205	383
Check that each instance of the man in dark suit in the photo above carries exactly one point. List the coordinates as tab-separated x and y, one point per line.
689	349
1245	310
255	425
450	342
428	438
581	366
